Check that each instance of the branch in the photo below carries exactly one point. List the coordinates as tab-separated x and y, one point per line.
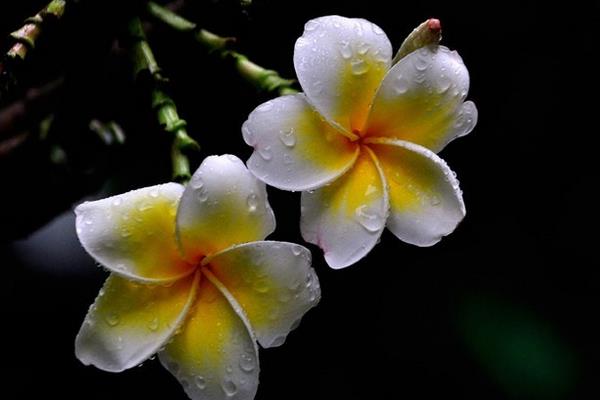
26	39
263	79
143	60
32	107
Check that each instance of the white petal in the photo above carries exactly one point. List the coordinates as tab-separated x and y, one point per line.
133	234
346	218
215	356
425	199
223	205
272	281
340	62
130	322
421	100
294	148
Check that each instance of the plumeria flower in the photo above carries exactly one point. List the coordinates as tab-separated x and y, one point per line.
192	280
361	141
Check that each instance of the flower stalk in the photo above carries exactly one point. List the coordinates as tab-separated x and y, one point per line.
143	60
265	80
26	39
27	36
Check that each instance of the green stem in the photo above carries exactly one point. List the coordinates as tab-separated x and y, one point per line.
263	79
26	39
166	111
27	36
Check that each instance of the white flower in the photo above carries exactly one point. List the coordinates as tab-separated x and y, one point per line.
361	141
192	281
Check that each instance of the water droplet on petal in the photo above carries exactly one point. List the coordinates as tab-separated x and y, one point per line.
359	67
278	341
252	202
345	50
308	280
296	249
369	219
112	319
248	135
401	85
288	137
116	202
265	153
363	48
229	387
202	194
247	363
435	200
154	193
287	159
261	285
153	324
197	182
443	84
421	62
311	25
370	190
200	382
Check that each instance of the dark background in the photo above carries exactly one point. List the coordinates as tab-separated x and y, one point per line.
504	308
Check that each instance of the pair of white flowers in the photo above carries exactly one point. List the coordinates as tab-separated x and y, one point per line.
192	278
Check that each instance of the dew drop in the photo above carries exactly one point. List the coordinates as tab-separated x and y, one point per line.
311	26
287	159
247	363
296	249
202	195
261	286
265	153
153	324
197	182
443	84
88	221
278	341
200	382
370	190
359	67
112	319
229	387
125	233
435	200
154	193
368	219
252	202
248	135
362	48
308	281
421	62
288	137
345	50
401	85
116	202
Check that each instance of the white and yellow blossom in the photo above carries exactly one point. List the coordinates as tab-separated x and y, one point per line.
192	280
361	141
